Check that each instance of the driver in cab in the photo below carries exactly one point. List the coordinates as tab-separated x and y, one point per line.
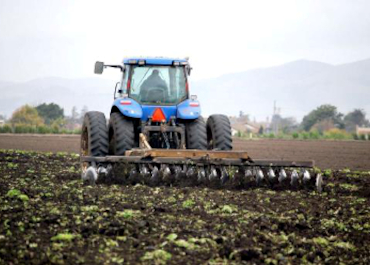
154	88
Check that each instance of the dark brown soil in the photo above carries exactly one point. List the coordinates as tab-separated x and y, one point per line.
47	215
41	142
327	154
334	154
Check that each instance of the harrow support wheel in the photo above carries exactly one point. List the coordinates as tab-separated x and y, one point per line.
94	142
219	132
121	134
94	136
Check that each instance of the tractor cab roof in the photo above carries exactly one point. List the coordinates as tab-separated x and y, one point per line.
155	61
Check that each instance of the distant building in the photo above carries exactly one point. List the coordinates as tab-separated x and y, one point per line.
249	127
363	131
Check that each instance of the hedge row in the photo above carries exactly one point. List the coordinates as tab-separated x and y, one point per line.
316	136
36	129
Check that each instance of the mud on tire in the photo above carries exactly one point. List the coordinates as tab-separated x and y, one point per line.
94	136
219	132
196	134
121	134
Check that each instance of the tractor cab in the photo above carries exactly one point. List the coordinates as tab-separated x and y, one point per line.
153	81
155	84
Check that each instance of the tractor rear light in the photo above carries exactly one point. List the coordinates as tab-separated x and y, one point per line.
158	115
176	63
125	102
132	61
194	104
184	63
128	84
141	62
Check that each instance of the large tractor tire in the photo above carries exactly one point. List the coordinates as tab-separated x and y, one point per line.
94	136
121	134
219	132
196	134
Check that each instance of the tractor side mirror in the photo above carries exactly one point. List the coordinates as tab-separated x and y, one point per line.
193	97
188	68
99	67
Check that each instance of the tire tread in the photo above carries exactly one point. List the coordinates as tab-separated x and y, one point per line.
196	134
96	125
218	126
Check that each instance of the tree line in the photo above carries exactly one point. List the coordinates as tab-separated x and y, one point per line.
323	122
44	118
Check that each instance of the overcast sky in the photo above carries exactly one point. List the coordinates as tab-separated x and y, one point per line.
64	38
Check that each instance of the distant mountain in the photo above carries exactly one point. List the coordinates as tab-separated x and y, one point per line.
95	93
298	87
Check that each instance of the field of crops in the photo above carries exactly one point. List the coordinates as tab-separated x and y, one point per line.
47	215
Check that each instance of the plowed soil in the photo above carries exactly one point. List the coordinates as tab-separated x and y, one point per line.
47	215
327	154
333	154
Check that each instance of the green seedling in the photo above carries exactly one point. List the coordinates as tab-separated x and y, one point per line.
158	256
63	237
14	193
126	214
171	237
349	187
188	203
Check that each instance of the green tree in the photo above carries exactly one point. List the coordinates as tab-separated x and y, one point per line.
353	118
26	115
288	124
50	112
322	113
58	124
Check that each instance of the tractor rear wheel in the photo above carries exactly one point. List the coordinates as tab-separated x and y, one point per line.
94	136
219	132
121	134
196	134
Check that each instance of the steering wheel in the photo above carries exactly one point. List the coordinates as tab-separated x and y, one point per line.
156	94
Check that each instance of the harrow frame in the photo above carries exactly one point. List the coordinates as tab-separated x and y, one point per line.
196	158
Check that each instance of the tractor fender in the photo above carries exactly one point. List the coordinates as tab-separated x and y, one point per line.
128	107
188	110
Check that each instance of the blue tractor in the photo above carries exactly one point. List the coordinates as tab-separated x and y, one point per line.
153	107
157	133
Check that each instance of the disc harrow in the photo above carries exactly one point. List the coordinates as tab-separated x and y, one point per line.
201	168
